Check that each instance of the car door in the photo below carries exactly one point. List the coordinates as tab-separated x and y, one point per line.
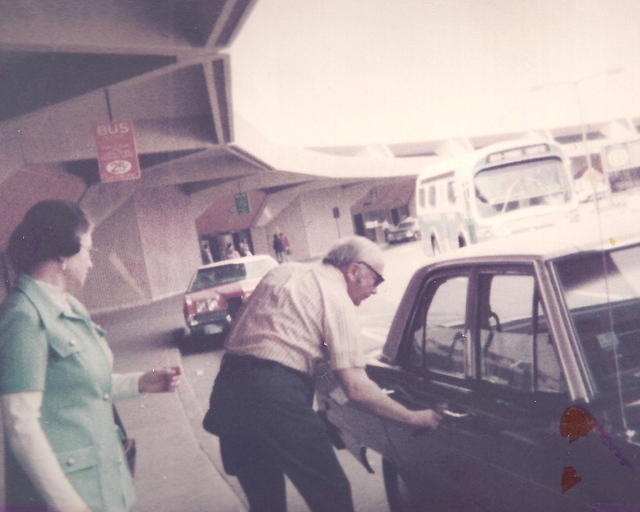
435	368
519	393
479	348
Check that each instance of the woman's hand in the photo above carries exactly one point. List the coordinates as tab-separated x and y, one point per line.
161	380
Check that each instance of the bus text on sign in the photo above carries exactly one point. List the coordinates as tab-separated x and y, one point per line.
117	156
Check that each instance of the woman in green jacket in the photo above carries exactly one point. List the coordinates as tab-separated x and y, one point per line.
56	382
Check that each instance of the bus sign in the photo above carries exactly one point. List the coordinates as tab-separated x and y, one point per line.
621	164
117	156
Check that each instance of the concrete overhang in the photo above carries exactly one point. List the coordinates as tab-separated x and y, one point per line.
320	163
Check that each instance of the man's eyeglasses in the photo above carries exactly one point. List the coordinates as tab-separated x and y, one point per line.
377	278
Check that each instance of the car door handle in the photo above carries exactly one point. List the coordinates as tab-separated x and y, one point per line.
453	414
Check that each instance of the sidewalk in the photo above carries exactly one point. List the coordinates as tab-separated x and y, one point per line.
178	466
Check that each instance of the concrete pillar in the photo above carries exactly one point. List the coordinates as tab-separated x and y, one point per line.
169	239
147	249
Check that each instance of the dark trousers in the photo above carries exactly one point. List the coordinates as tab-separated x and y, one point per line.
263	413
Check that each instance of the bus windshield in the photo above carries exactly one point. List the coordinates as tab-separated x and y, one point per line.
521	185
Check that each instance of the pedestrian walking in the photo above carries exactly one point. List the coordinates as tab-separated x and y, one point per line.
230	252
286	246
205	252
298	329
278	247
243	248
56	381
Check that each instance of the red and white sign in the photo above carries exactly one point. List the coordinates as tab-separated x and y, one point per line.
117	156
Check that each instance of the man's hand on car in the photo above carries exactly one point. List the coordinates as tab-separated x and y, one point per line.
426	418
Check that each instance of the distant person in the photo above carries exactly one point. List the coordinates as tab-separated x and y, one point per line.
205	251
286	246
243	248
230	252
278	247
56	381
298	329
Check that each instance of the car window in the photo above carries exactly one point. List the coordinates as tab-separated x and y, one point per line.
439	337
516	348
602	294
216	276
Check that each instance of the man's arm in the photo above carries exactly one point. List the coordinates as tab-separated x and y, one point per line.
361	389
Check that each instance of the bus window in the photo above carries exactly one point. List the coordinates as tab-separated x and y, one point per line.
432	195
451	192
422	199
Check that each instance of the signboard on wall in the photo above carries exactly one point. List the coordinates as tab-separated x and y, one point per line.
242	203
117	156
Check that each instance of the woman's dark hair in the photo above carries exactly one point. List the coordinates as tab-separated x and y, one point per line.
50	229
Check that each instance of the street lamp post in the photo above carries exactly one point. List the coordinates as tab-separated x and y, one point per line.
583	127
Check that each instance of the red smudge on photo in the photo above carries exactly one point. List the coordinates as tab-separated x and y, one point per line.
575	423
569	478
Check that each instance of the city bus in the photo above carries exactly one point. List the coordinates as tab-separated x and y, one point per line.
621	165
495	191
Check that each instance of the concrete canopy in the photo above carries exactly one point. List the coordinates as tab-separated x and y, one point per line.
68	64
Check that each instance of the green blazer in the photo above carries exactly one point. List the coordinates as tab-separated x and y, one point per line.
65	356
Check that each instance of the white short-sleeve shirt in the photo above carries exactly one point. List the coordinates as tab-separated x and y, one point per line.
300	315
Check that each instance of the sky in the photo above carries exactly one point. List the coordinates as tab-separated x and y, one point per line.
341	72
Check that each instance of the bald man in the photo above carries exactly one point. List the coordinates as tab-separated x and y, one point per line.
300	318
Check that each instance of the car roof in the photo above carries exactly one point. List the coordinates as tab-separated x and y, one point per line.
241	259
595	233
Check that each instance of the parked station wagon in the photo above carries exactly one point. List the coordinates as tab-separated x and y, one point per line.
405	231
218	290
530	349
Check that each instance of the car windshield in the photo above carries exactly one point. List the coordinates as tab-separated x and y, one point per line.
224	274
602	292
523	185
406	224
